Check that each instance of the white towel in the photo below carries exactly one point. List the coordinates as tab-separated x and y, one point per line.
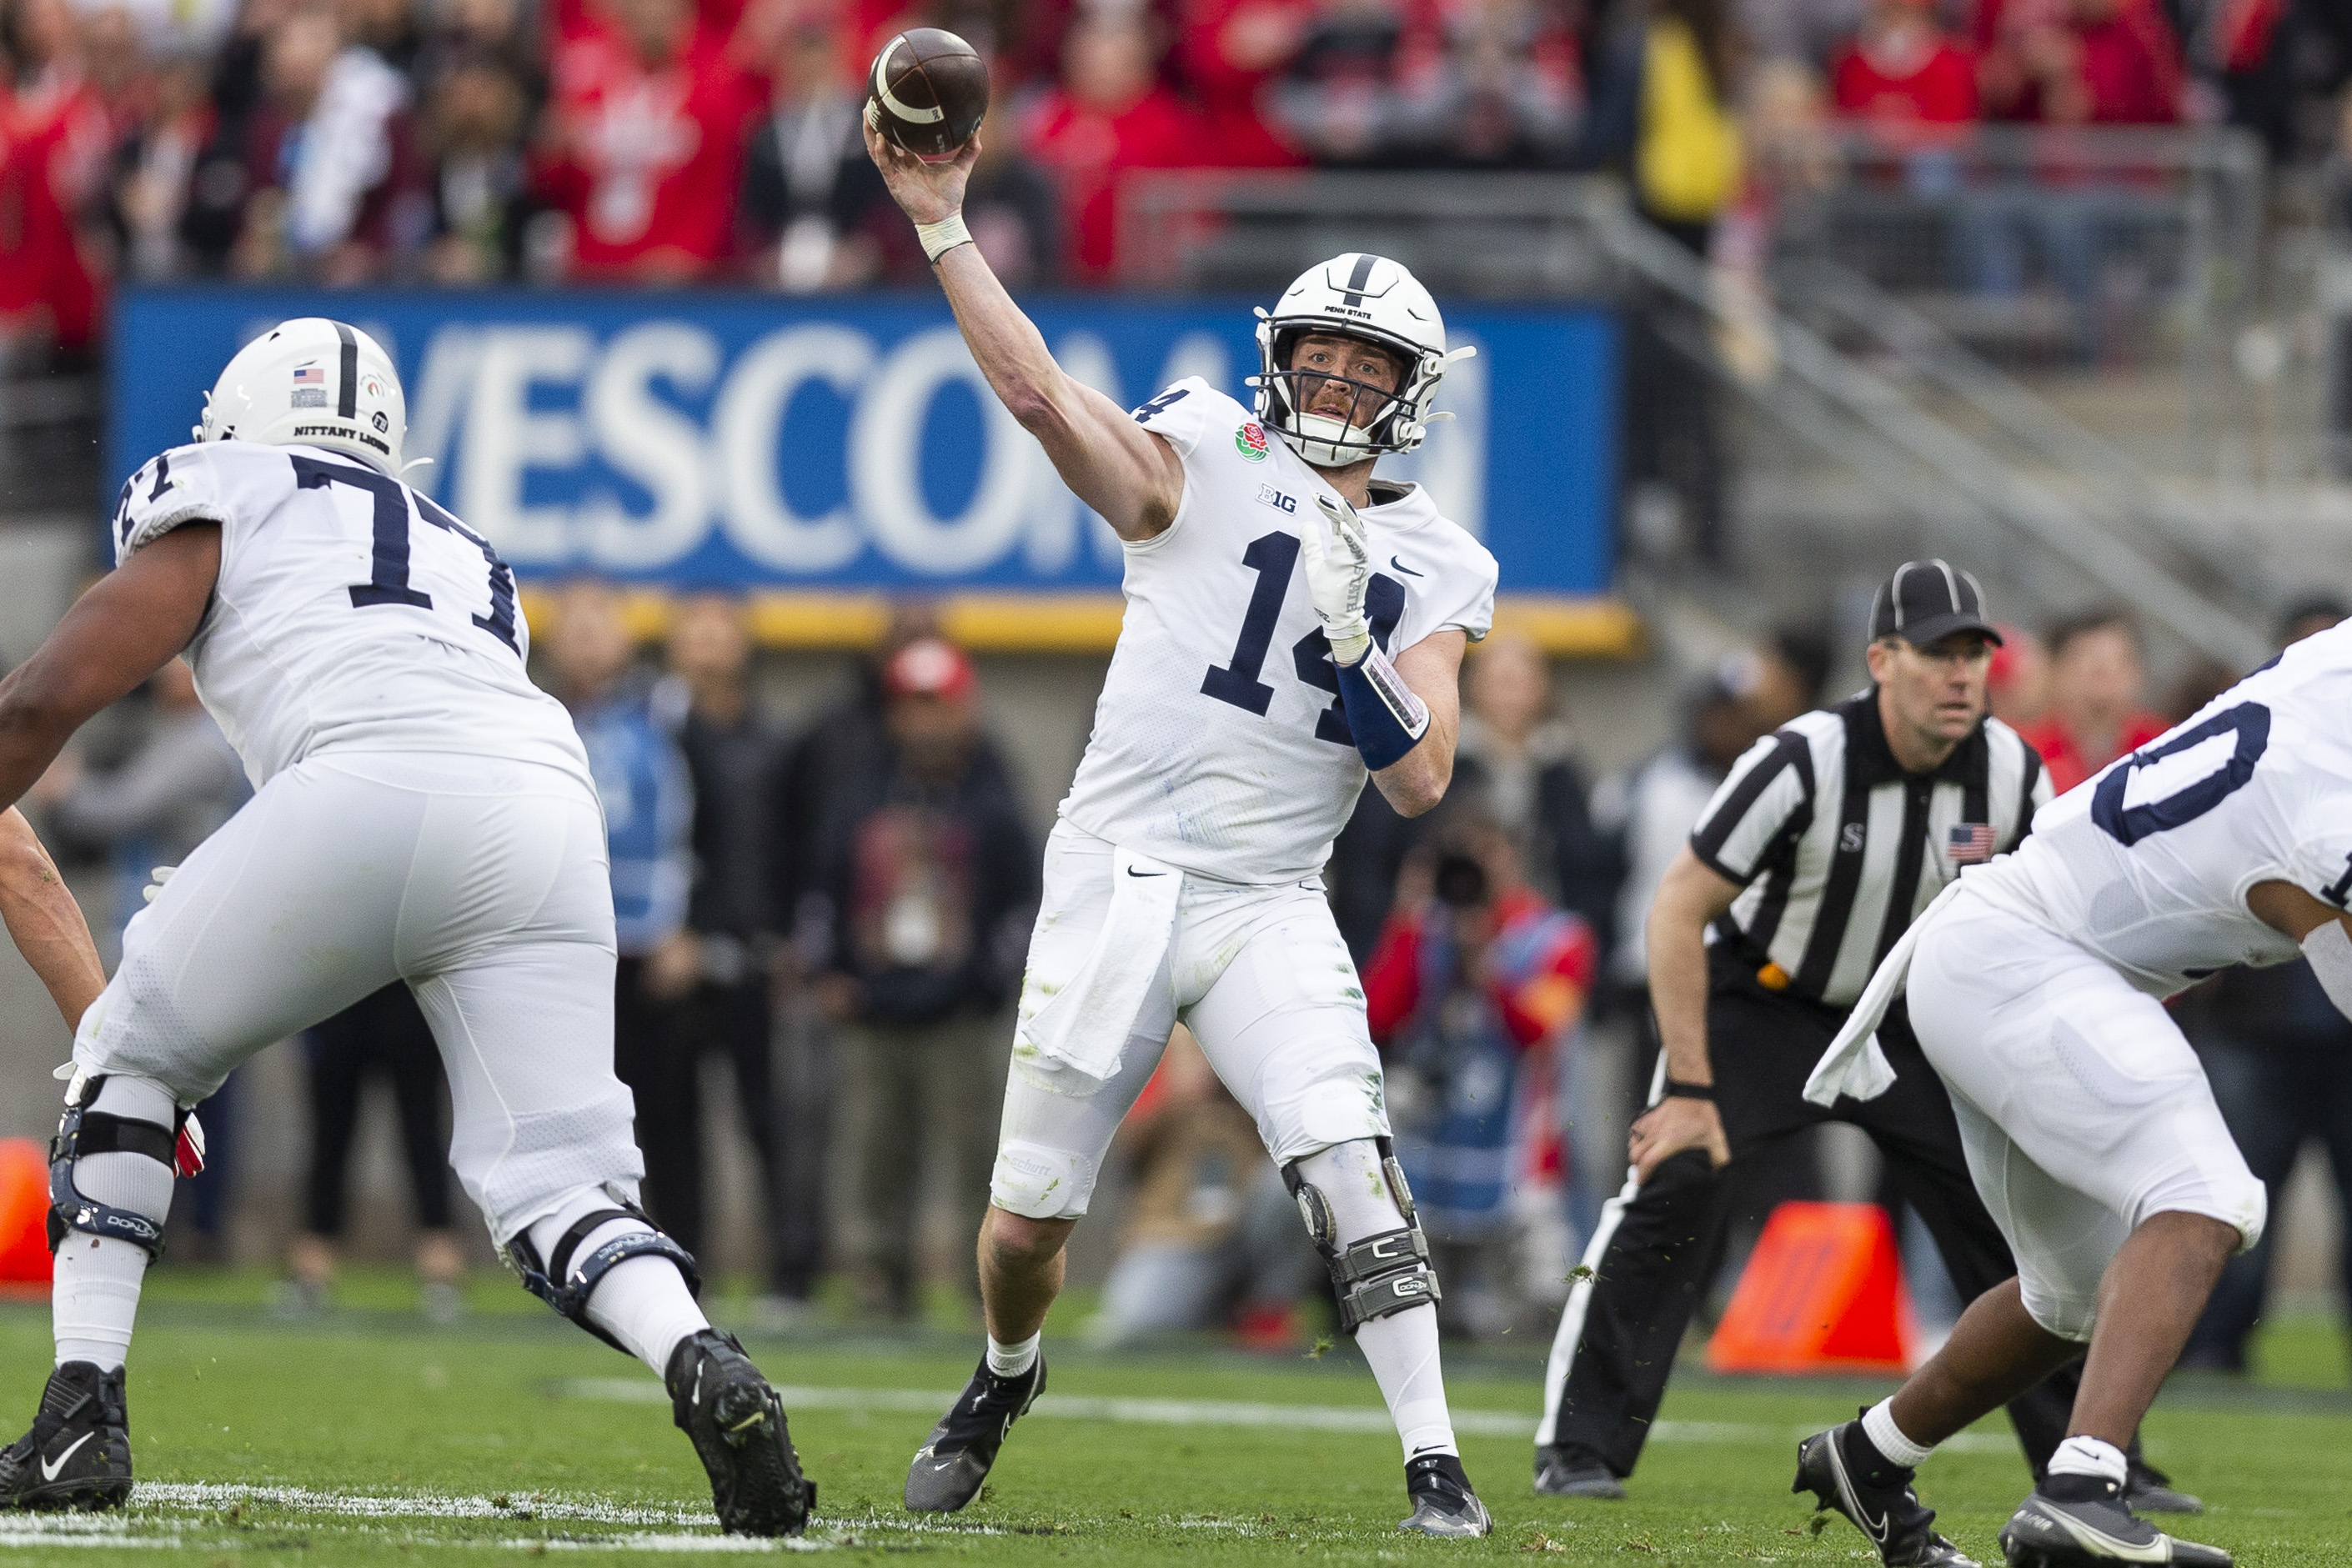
1087	1024
1854	1064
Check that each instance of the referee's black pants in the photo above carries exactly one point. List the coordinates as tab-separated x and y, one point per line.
1663	1243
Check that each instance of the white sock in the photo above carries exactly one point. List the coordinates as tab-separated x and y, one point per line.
1878	1425
642	1302
1012	1360
1402	1349
2093	1457
95	1297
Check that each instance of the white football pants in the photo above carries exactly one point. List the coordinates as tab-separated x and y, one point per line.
2083	1109
1261	978
480	882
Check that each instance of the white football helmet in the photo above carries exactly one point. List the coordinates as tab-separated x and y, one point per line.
312	382
1376	301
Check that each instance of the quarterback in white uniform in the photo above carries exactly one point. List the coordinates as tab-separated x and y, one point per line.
422	812
1293	626
2037	990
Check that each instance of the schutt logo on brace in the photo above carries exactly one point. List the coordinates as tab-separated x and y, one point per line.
1250	441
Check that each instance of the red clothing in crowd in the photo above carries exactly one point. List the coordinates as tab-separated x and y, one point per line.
646	163
1941	91
2067	767
2128	62
1089	150
1543	966
55	137
1207	35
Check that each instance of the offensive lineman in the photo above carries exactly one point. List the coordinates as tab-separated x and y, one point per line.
2037	993
420	812
1234	734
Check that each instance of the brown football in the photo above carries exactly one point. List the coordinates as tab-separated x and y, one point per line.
927	91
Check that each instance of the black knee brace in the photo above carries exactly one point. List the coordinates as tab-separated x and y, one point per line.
567	1288
81	1132
1381	1274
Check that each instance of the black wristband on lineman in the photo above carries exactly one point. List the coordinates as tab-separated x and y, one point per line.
1679	1091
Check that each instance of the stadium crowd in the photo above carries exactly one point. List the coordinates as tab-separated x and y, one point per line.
836	911
669	142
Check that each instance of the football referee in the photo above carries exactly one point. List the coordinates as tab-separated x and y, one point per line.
1827	839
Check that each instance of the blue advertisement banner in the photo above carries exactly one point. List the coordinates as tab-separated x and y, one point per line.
687	440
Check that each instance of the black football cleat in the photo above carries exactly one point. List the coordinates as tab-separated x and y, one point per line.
1443	1502
78	1454
1576	1472
2086	1525
737	1425
2147	1490
955	1459
1846	1473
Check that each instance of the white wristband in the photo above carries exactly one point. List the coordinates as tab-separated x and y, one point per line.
939	238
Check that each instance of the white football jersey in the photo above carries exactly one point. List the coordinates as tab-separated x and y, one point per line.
1219	742
2147	864
351	613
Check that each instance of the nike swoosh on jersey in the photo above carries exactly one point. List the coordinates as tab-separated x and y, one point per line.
1133	871
1397	562
49	1470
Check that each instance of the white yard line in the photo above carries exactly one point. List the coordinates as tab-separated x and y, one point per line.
1221	1413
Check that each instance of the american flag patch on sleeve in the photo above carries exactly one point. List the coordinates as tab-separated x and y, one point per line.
1969	843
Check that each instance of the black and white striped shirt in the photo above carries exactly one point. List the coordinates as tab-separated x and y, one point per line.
1838	849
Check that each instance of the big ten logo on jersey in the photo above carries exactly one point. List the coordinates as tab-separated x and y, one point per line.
1267	495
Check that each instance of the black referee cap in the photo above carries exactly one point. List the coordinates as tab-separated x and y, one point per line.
1926	601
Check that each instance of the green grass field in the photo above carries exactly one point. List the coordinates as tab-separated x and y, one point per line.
369	1438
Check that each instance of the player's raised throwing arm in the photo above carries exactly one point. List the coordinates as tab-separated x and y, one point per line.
1132	477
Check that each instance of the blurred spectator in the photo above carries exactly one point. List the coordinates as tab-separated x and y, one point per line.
1902	69
1517	756
1653	808
731	755
1111	115
643	143
1507	93
54	144
2019	684
1783	674
178	783
473	130
930	877
154	172
2097	688
1229	52
841	745
648	798
335	190
2078	62
1208	1236
385	1032
1662	109
809	187
1339	100
1475	992
2279	1056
